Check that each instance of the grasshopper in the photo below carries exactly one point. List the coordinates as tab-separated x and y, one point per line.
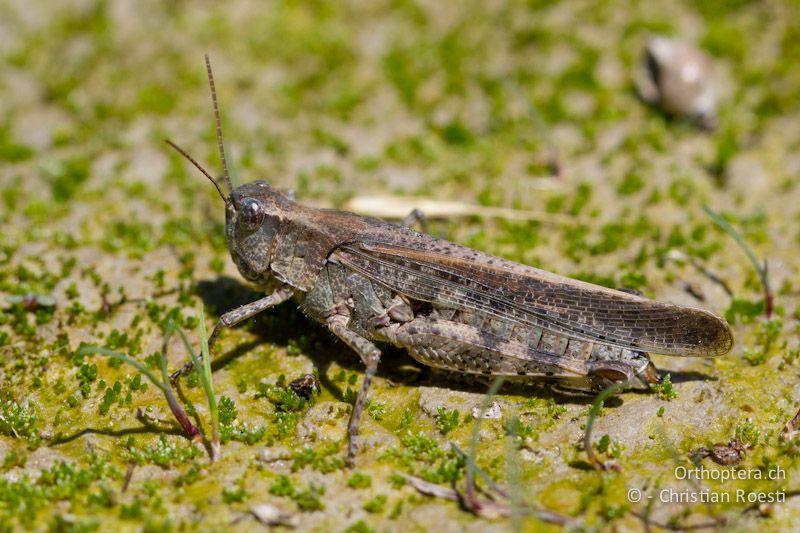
449	306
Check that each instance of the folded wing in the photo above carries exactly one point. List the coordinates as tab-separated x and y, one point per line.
450	275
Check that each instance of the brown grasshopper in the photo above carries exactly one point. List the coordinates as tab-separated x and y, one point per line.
449	306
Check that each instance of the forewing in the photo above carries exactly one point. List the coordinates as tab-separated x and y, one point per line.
449	275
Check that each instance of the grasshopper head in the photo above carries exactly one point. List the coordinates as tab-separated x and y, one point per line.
253	214
252	211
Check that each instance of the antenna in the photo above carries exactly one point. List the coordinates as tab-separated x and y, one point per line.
200	168
219	125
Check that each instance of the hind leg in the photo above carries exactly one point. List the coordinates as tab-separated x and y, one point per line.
467	349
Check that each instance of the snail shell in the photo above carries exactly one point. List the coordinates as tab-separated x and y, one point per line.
678	77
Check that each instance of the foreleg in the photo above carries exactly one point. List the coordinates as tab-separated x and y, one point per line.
240	314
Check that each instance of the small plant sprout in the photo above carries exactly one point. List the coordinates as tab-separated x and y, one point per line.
203	370
177	410
446	420
16	420
760	268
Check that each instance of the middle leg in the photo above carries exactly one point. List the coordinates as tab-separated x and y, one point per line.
371	356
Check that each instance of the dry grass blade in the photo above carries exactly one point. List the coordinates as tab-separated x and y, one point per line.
398	207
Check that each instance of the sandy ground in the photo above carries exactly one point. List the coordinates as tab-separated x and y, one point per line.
479	103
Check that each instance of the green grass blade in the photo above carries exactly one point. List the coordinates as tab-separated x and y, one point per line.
725	226
473	443
595	411
164	347
100	350
205	352
203	369
760	268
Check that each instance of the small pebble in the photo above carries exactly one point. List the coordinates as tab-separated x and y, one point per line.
492	413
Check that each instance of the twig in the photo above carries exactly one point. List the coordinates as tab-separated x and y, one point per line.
677	255
794	421
494	509
128	476
488	509
431	489
761	269
174	406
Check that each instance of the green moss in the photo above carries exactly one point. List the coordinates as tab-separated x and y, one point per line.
17	420
521	433
376	504
66	177
281	486
612	448
234	494
424	456
111	396
742	310
665	389
12	151
377	410
446	420
747	433
164	452
630	184
359	480
24	499
766	336
323	458
131	236
227	410
310	499
359	527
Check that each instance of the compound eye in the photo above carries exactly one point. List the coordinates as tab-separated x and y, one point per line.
251	214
